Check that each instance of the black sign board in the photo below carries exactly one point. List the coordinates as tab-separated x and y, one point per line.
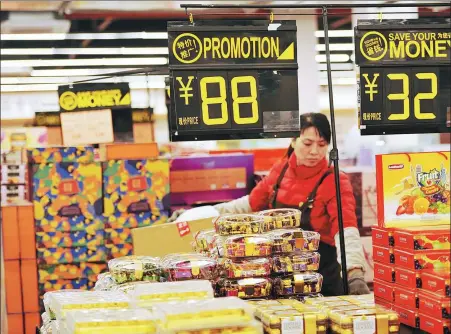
93	96
50	119
404	80
233	80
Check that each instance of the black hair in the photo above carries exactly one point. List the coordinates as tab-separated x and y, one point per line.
319	122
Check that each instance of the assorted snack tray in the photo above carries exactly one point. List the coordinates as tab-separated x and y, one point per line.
136	268
281	218
189	266
240	224
294	240
298	284
289	264
245	288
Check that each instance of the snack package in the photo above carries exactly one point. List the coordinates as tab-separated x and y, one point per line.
379	321
128	288
435	306
203	240
46	301
105	282
434	325
289	264
245	288
246	268
437	282
70	239
405	298
70	255
136	268
421	238
188	266
294	240
247	246
294	321
302	283
240	224
281	218
407	317
430	260
383	255
382	236
384	272
43	155
410	279
413	189
251	327
383	290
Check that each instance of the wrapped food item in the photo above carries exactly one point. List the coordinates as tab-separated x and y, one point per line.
281	218
203	240
247	268
252	327
379	321
129	287
294	240
294	321
247	246
105	282
303	283
245	288
240	224
136	268
46	301
188	266
289	264
137	321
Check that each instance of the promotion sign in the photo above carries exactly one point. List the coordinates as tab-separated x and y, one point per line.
404	79
233	80
94	96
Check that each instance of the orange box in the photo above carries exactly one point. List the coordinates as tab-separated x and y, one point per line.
32	320
26	231
132	151
405	298
407	317
10	232
434	325
15	323
383	255
382	236
383	290
13	289
29	272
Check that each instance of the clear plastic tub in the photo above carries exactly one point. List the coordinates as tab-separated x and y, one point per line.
246	268
105	282
240	224
245	288
289	264
294	240
298	284
189	266
247	246
46	301
281	218
203	240
136	268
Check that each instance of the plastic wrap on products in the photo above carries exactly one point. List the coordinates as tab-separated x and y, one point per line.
137	321
245	288
240	224
294	321
148	295
188	266
303	283
88	300
136	268
289	264
105	282
46	301
128	288
378	321
247	268
281	218
247	246
252	327
294	240
203	240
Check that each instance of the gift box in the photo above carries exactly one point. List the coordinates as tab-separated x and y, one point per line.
64	284
70	239
118	236
382	302
413	189
420	238
12	193
437	260
434	325
92	270
16	174
70	255
42	155
407	317
384	272
437	282
409	279
382	236
71	271
383	290
114	251
383	255
434	305
405	298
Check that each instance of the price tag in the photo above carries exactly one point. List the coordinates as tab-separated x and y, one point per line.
183	228
364	325
294	325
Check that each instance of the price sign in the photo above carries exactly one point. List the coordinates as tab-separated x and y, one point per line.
404	80
233	80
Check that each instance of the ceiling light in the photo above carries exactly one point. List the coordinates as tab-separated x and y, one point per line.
335	58
85	62
86	51
335	33
83	36
71	79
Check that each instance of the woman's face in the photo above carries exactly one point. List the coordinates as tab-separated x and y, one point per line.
310	148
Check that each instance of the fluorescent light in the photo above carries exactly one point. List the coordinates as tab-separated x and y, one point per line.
335	58
83	36
77	72
71	79
335	33
336	47
86	51
85	62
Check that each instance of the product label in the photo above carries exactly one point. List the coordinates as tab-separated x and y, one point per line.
183	229
294	325
365	325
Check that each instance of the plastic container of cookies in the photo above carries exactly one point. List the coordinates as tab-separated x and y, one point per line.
355	321
294	240
246	268
136	268
298	284
203	240
188	266
240	224
289	264
281	218
239	246
245	288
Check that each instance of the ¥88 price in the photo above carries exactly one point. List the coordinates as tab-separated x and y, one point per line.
237	100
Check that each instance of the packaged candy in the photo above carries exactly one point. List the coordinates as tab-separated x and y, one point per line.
289	264
430	260
437	282
421	238
136	268
247	246
291	240
281	218
188	266
245	288
105	282
46	301
435	306
302	283
240	224
309	320
203	240
379	321
434	325
247	268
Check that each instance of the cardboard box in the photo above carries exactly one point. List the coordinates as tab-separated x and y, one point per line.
29	275
169	238
10	233
63	284
383	255
384	272
436	282
15	323
16	174
407	317
407	278
71	271
434	305
423	238
132	151
70	255
118	236
430	260
13	193
70	239
44	155
434	325
383	290
13	286
26	231
119	250
382	236
413	189
32	321
405	298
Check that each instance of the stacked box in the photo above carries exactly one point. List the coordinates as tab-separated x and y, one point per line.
68	213
134	192
14	183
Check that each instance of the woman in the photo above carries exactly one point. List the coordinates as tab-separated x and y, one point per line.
304	180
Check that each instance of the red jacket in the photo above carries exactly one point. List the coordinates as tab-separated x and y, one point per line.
297	184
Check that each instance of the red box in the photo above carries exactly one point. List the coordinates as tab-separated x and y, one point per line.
405	298
383	290
383	255
434	326
384	272
423	238
383	302
438	259
407	278
436	282
407	317
434	305
382	236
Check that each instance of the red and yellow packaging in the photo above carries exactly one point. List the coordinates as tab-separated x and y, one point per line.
405	298
438	260
383	290
434	305
437	282
420	238
434	325
413	189
409	279
407	317
382	236
383	255
383	302
384	272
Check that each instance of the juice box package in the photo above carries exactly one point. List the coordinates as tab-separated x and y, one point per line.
423	238
70	239
413	189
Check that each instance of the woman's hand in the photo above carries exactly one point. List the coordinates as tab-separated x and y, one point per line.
356	282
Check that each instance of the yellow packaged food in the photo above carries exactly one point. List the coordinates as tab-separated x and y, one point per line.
245	288
240	224
281	218
253	327
294	321
378	321
298	284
